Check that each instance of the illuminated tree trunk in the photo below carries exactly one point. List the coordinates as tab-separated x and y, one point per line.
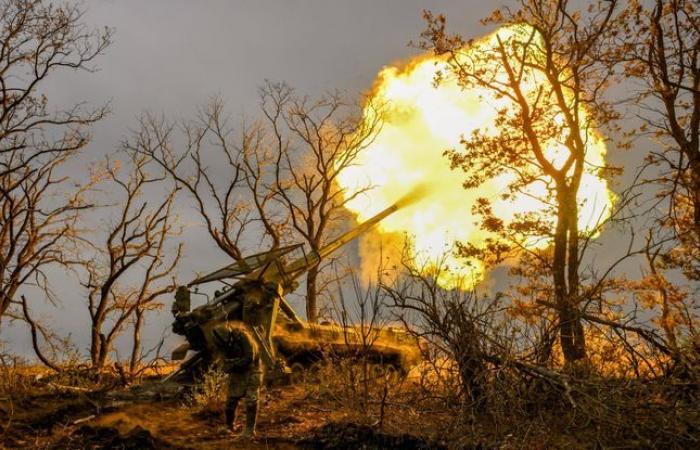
312	295
565	275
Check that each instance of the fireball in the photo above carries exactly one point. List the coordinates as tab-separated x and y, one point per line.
422	120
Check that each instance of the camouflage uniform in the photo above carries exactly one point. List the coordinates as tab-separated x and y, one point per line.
240	359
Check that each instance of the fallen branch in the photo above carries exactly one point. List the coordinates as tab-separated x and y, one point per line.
65	388
84	419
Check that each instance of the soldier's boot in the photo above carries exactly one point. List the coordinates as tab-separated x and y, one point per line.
230	411
251	417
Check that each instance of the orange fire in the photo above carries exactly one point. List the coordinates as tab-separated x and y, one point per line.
420	122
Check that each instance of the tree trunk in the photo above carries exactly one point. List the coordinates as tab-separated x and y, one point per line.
99	346
104	352
573	275
6	295
95	344
4	304
311	295
136	347
565	271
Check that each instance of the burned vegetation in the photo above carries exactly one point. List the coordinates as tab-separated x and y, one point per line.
453	261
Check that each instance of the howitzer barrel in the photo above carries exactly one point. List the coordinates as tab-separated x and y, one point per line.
303	264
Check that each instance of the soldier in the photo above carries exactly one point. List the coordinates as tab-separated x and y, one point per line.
239	357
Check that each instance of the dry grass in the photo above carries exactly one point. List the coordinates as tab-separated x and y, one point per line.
210	394
518	412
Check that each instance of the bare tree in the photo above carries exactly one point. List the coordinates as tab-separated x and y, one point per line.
661	50
39	39
561	52
130	270
225	175
313	142
272	181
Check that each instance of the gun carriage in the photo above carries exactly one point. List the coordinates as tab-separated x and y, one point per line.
285	341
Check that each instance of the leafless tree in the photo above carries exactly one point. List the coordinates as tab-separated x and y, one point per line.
271	182
226	175
131	268
313	142
38	40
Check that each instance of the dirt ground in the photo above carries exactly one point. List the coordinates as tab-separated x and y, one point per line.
143	417
72	413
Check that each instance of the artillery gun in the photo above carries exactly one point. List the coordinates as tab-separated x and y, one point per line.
257	298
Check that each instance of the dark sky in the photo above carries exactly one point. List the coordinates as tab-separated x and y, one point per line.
170	56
